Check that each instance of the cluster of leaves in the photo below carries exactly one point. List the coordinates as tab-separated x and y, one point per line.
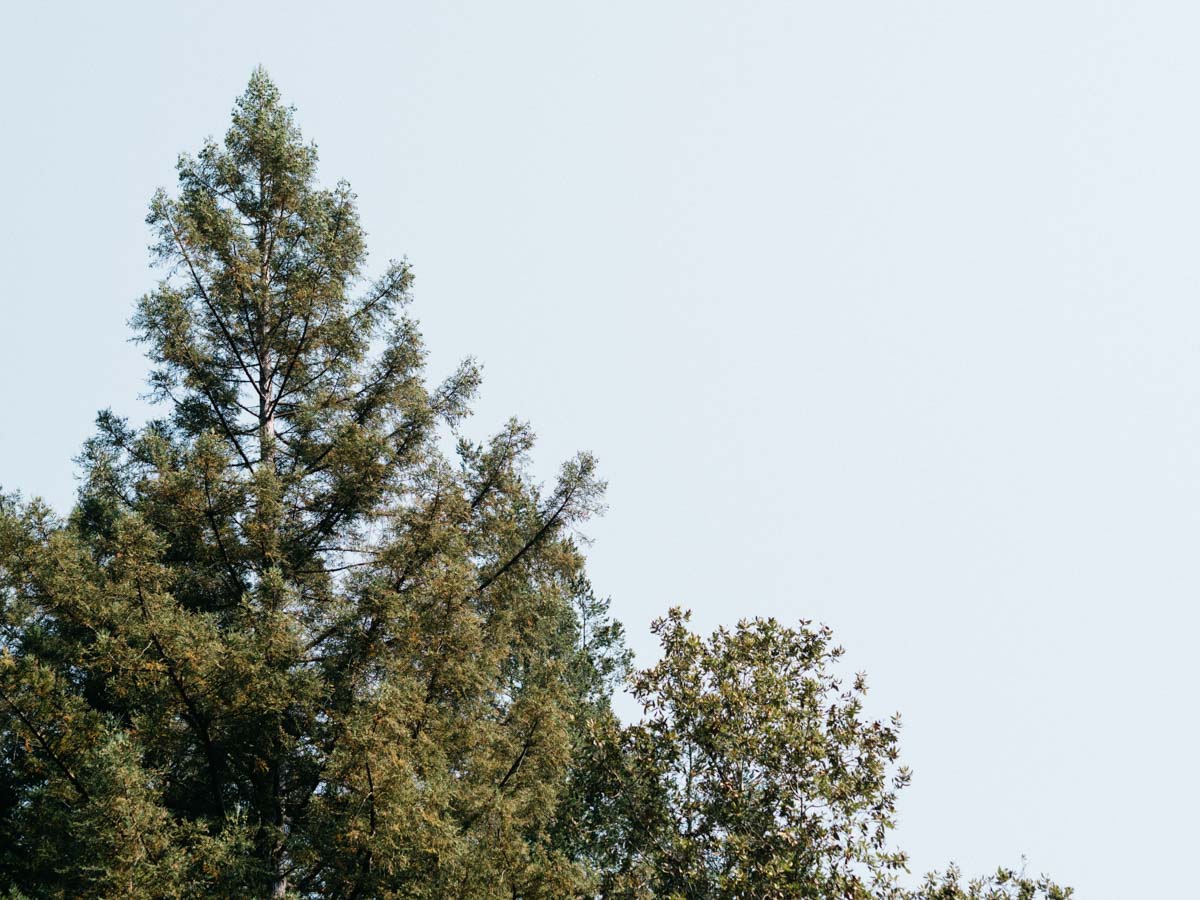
284	646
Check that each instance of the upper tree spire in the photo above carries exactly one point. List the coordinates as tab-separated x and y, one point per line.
262	323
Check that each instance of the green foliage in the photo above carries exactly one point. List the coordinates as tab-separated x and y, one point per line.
753	773
284	646
770	774
1004	885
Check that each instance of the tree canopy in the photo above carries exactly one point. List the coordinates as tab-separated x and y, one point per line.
286	646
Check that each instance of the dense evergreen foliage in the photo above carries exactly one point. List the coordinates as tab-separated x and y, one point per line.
284	646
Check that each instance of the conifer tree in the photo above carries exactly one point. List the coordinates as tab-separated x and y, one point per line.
285	646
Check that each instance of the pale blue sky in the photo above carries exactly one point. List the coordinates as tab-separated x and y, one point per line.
883	314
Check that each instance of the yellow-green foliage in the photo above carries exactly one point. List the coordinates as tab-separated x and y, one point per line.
284	646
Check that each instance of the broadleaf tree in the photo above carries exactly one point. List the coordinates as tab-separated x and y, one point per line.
285	646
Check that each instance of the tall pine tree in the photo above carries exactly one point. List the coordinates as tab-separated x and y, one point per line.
283	645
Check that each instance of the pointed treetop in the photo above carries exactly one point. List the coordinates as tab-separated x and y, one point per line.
264	130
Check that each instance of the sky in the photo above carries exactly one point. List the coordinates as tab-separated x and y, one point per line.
883	315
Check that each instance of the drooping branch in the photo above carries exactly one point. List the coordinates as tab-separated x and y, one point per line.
47	748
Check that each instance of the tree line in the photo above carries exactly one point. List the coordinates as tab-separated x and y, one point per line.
285	646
